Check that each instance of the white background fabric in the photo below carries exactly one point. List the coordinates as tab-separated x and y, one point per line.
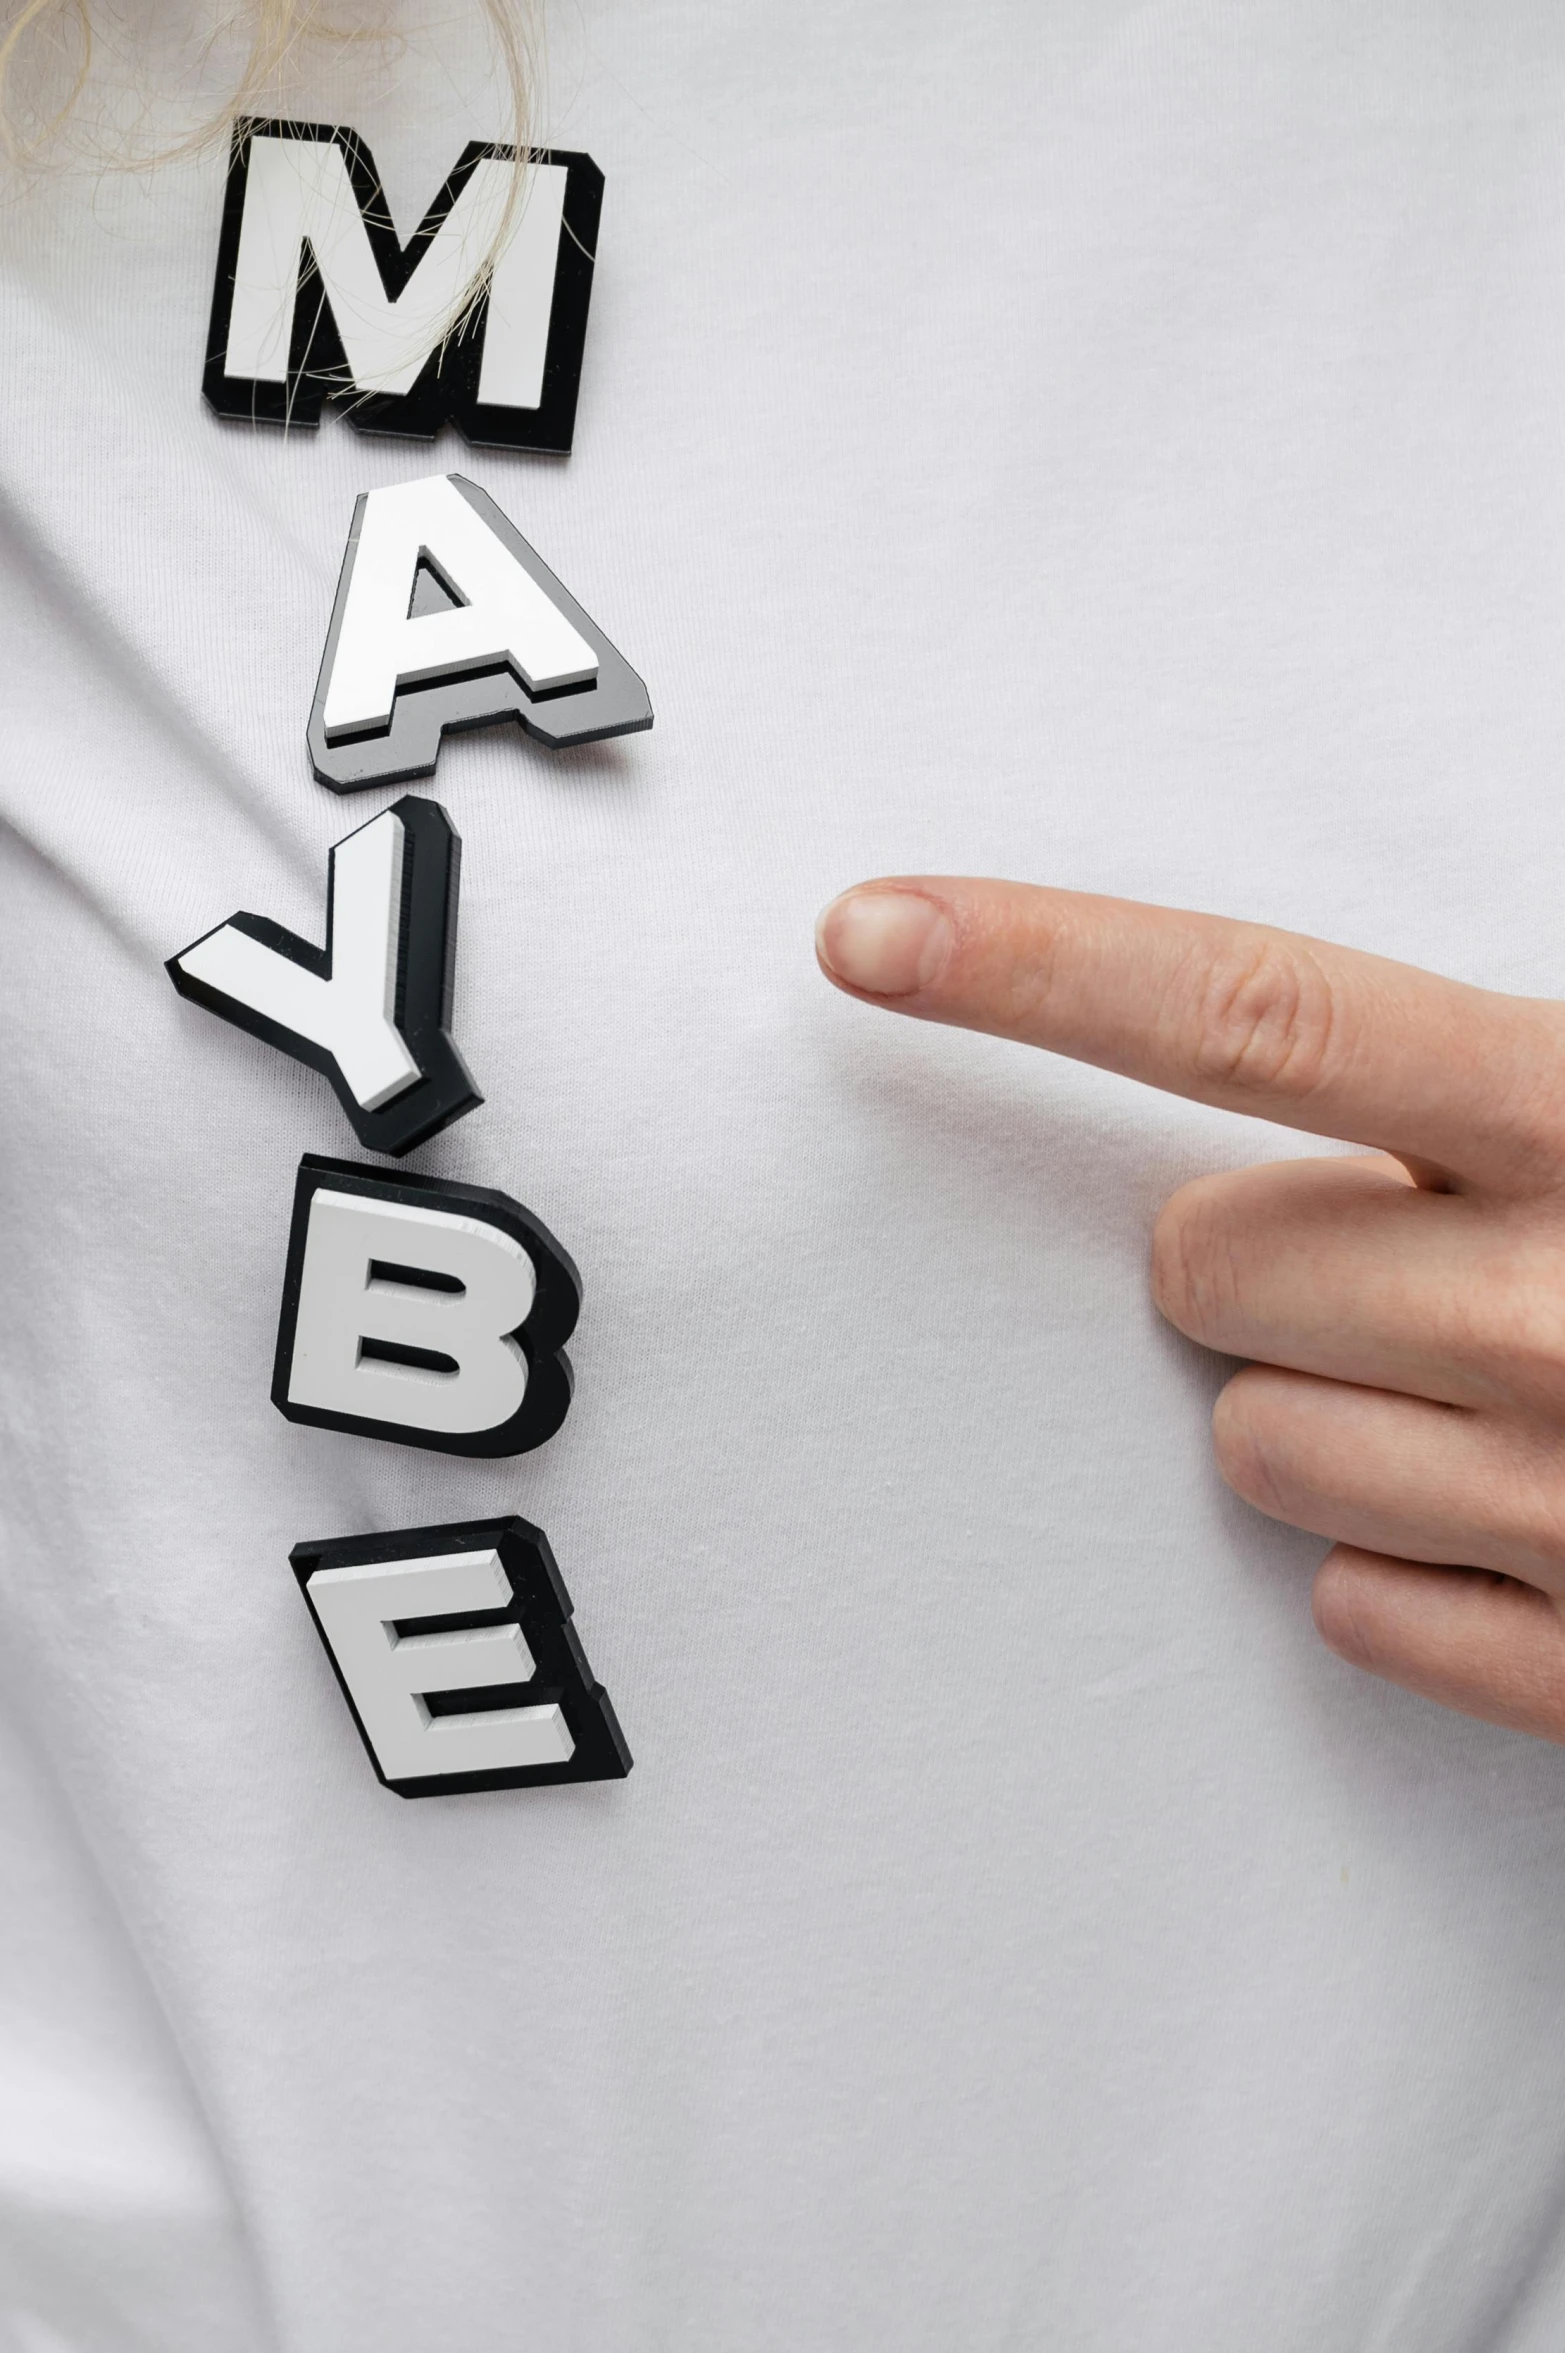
1112	444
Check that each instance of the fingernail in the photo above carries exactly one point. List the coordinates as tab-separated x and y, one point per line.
887	943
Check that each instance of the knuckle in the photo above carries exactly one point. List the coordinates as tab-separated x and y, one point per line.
1516	1502
1194	1275
1342	1620
1541	1534
1265	1019
1509	1324
1244	1437
1538	1663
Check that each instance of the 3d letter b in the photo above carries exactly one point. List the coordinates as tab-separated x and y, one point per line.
423	1311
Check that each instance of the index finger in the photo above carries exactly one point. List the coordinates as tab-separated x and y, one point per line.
1265	1022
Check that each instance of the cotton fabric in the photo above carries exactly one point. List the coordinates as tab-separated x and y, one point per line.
1104	443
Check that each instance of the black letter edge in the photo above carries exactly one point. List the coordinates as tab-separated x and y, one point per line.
426	977
542	1608
541	1338
447	386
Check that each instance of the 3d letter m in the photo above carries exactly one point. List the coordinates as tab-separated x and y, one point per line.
317	298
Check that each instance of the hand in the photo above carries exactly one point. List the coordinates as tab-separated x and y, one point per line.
1405	1313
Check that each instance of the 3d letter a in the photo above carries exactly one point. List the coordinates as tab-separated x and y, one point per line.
446	618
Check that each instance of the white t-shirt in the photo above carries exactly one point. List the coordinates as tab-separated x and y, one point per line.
1110	444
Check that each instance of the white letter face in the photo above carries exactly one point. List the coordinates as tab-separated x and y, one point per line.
423	1311
504	1700
372	1010
505	620
316	297
445	617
